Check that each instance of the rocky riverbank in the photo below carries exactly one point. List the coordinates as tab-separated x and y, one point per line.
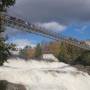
83	68
5	85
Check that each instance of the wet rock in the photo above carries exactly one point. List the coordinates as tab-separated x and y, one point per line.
5	85
83	68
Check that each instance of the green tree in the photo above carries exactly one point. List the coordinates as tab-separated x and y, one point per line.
38	51
62	56
84	59
69	53
6	3
4	48
23	52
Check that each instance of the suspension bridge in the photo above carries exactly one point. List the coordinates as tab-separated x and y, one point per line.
21	24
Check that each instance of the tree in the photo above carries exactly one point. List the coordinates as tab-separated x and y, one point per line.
23	52
6	3
84	59
4	48
69	53
38	51
62	56
12	46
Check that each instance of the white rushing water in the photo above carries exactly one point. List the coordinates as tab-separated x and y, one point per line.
40	75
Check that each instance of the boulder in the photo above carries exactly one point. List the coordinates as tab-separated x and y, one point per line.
5	85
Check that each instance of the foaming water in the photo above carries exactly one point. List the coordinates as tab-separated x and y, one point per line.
40	75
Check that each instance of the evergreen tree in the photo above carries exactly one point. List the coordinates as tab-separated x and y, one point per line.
69	53
38	51
23	52
62	56
4	48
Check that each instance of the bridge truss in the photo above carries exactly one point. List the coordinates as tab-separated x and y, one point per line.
20	24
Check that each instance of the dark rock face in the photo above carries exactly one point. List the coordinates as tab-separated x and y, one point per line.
5	85
83	68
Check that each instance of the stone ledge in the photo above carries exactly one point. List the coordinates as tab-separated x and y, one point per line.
5	85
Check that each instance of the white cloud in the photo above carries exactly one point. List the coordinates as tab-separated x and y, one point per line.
21	43
53	26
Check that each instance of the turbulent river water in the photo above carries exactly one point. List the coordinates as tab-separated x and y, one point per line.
41	75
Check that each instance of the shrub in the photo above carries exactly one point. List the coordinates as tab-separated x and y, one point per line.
84	59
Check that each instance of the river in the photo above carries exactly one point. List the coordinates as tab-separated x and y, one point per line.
42	75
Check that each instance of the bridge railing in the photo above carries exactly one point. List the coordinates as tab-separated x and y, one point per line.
29	27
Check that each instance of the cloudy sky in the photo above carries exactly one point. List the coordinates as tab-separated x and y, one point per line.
70	17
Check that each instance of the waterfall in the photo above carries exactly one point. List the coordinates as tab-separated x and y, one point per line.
42	75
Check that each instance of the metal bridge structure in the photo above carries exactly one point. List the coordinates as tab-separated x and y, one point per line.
23	25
